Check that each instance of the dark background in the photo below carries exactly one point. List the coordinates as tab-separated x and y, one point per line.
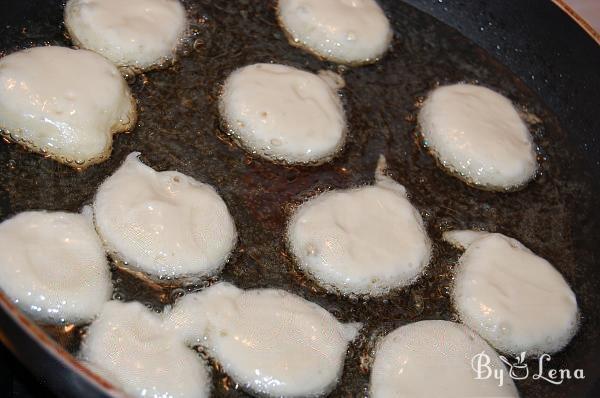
16	381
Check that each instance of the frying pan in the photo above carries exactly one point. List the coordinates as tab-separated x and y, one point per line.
529	50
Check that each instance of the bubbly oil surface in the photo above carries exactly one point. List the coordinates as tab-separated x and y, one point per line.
179	128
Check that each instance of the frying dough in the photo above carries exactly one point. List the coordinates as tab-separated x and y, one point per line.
513	298
64	103
365	240
434	359
283	113
53	266
137	33
344	31
478	135
165	224
269	341
129	347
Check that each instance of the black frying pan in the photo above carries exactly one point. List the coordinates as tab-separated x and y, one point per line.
529	50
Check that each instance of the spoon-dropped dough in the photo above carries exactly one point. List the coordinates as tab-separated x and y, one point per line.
137	33
64	103
269	341
365	240
344	31
513	298
129	347
478	135
53	266
435	359
165	224
283	113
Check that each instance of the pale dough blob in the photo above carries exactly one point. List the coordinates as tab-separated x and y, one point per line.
283	113
344	31
269	341
64	103
165	224
53	266
478	135
513	298
136	33
365	240
437	359
129	347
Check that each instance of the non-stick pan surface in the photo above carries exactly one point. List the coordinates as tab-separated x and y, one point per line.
179	129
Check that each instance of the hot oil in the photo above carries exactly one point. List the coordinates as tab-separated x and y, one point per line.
179	129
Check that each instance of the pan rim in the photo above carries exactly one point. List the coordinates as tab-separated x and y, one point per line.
50	347
66	358
577	17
